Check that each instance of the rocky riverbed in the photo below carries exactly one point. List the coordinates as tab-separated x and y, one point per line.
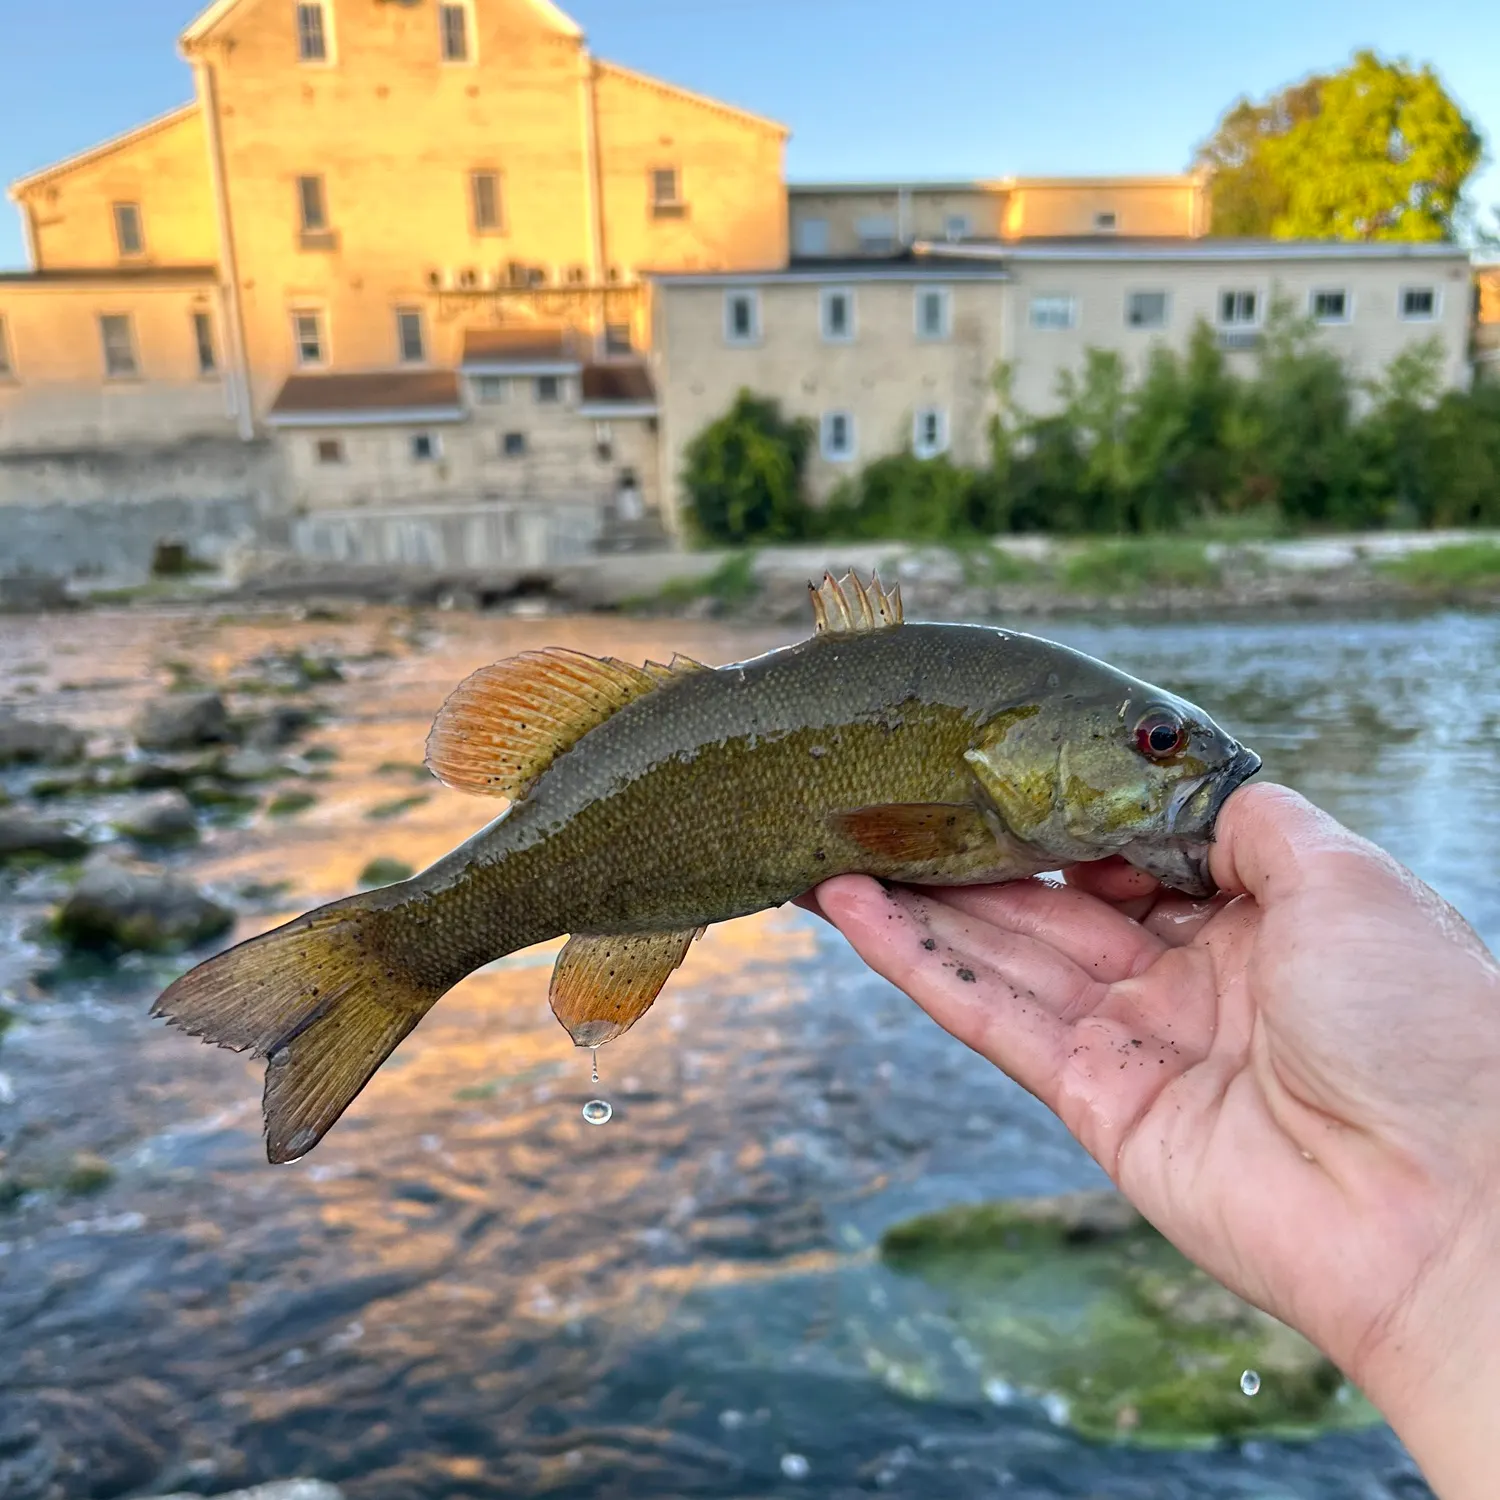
798	1260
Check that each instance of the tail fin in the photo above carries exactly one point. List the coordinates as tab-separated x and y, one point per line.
319	1000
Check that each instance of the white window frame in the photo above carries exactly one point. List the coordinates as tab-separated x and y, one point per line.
320	317
800	229
919	445
1347	316
944	296
402	358
1437	304
7	357
471	40
671	207
205	339
493	175
884	243
833	455
826	297
1149	291
325	15
128	320
957	227
559	387
116	211
434	439
752	296
1237	292
483	385
1041	307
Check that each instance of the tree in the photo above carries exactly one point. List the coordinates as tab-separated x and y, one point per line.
1378	151
743	474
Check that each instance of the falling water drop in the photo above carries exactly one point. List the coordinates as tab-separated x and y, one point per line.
595	1051
598	1111
1249	1382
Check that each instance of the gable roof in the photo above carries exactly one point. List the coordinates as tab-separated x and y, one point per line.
23	185
199	30
645	80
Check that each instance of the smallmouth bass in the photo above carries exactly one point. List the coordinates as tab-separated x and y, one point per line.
648	802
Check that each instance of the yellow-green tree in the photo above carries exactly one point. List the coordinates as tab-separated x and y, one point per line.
1377	151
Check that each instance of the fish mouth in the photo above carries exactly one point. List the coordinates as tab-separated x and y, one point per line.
1181	860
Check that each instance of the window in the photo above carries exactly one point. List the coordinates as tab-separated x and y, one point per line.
490	390
426	447
666	195
1330	306
877	234
934	312
312	207
549	389
513	445
956	227
810	237
128	235
1052	311
837	315
929	431
307	338
411	345
484	198
7	368
203	341
1418	303
330	451
1146	310
604	442
453	22
617	339
1105	223
837	436
742	317
1238	309
312	34
119	346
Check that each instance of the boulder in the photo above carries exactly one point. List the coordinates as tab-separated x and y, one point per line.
37	742
164	818
276	726
183	721
136	908
23	834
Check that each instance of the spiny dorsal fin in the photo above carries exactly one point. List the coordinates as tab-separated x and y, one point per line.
506	723
602	986
675	668
872	608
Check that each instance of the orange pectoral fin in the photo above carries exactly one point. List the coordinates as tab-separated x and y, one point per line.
915	832
603	985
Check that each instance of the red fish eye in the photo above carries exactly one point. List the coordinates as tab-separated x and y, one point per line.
1160	736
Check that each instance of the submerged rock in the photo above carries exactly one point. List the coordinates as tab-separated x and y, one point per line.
24	835
136	908
276	726
37	742
282	1489
183	721
1063	1219
164	818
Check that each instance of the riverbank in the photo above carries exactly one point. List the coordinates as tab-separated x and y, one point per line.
1008	577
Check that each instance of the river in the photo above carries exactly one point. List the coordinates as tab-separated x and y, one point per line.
467	1290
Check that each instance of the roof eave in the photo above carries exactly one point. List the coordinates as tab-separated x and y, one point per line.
617	410
23	185
520	367
382	417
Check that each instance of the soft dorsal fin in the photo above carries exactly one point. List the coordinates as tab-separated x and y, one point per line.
872	608
503	725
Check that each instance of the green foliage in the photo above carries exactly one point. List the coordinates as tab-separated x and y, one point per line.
1131	567
743	474
287	804
384	870
1377	151
914	499
1462	565
732	582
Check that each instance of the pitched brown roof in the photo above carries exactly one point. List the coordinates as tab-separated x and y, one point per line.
534	345
409	391
626	382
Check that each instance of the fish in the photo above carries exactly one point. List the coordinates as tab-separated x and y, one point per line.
647	802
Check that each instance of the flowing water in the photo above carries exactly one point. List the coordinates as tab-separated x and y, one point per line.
468	1288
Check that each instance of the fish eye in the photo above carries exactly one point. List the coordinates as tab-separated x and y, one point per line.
1160	735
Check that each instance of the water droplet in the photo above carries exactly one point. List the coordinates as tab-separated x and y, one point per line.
598	1111
1249	1382
794	1466
595	1051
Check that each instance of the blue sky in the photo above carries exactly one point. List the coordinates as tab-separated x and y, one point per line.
869	87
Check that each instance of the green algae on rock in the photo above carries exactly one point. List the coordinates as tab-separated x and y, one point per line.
1079	1302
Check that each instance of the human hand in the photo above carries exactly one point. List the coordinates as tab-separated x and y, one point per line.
1297	1082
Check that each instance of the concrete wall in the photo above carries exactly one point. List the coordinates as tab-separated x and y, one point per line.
1374	333
100	513
162	167
881	376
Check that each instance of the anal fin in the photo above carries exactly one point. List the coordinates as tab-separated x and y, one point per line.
603	985
916	832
